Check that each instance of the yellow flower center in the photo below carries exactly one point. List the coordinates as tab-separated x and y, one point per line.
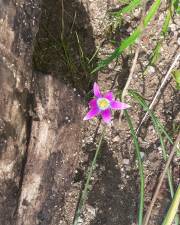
103	103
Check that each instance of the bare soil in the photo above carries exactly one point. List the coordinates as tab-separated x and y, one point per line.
114	192
64	30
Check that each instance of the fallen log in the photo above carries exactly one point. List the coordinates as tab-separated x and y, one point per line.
40	120
52	152
17	32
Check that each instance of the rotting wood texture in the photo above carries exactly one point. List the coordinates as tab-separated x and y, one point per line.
39	125
52	153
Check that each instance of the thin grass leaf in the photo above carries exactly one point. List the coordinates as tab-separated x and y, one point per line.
155	120
83	58
159	129
156	52
173	208
127	9
167	21
132	38
155	55
177	6
140	167
176	76
151	13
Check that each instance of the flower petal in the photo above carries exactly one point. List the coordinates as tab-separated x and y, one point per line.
92	113
109	95
117	105
96	90
93	103
106	115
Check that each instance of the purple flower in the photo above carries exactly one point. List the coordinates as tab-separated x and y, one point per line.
102	104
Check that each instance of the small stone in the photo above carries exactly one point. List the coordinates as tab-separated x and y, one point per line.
128	168
142	154
116	139
137	12
178	41
173	27
129	30
151	69
126	161
177	21
80	221
91	210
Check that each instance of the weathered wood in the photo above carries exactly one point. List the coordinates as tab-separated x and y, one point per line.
17	31
39	125
52	154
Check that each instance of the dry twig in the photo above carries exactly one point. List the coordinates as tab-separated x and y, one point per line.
148	214
130	77
159	90
133	67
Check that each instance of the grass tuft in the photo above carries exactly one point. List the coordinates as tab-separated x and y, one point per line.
161	132
129	41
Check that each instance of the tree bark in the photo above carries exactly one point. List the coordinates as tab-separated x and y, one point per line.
52	153
39	125
17	31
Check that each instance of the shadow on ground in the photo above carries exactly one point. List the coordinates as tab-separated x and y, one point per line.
114	205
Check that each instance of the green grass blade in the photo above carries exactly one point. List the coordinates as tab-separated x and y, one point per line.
151	13
156	52
159	129
132	38
154	118
173	208
127	9
166	22
157	125
155	55
140	167
177	6
85	191
176	76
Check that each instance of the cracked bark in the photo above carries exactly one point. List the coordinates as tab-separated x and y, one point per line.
15	82
38	153
52	154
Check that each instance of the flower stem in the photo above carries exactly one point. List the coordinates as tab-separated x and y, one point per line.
84	193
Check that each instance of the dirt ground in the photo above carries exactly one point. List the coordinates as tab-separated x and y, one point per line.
69	33
113	198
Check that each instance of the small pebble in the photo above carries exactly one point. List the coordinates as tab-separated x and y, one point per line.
178	41
116	139
126	161
151	69
142	155
173	27
91	210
